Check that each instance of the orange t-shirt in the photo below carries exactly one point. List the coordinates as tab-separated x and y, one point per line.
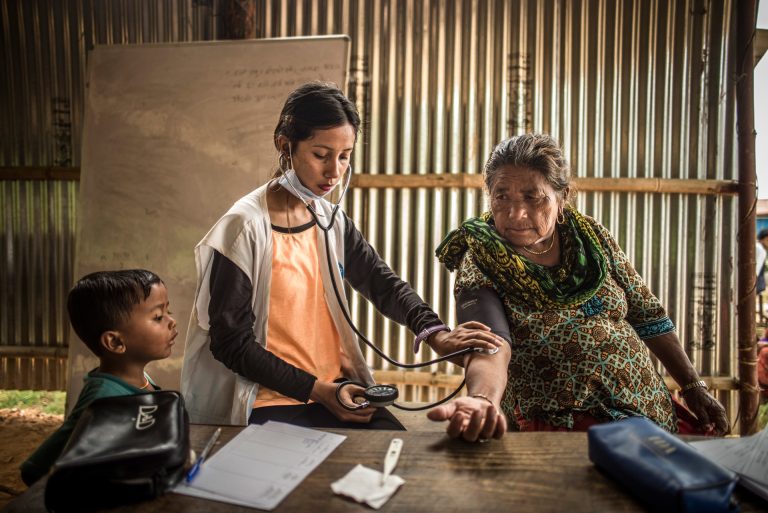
300	329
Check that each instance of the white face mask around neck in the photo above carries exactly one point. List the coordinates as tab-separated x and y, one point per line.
291	182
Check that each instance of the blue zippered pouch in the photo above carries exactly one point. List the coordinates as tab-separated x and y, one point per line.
659	469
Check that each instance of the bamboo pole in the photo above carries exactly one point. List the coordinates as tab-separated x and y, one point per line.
414	181
475	181
36	173
417	378
443	380
33	352
458	180
745	125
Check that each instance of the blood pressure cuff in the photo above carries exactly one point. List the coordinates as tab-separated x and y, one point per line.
659	469
483	305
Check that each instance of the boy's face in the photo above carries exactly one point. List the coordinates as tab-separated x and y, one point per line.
150	331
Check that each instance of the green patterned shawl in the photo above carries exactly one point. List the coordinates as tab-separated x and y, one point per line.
581	273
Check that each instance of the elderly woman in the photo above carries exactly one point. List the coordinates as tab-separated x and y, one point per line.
579	319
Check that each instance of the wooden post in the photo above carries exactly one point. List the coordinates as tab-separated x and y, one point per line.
237	19
749	393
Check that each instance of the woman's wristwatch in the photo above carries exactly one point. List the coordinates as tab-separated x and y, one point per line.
694	384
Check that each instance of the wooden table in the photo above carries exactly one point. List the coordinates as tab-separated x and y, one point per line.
537	472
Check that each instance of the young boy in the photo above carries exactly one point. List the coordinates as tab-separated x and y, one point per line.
123	317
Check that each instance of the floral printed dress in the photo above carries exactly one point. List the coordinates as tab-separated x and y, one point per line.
583	358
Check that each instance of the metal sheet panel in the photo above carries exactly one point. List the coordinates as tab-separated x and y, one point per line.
42	75
630	88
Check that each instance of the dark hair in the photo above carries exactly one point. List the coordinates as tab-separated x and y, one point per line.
539	152
102	301
315	106
762	234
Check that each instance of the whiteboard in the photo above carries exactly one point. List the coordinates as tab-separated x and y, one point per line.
173	135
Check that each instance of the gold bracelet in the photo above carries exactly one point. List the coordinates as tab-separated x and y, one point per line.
694	384
483	396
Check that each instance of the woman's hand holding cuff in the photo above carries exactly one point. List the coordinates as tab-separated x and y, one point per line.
469	334
325	394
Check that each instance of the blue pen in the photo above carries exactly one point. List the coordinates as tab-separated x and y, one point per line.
196	467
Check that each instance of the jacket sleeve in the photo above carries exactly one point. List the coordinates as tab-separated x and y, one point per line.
372	277
233	342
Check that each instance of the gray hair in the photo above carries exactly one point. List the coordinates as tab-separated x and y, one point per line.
539	152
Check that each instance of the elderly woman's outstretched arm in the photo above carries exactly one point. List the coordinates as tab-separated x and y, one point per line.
479	415
670	353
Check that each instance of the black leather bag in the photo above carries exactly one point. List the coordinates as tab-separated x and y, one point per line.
123	450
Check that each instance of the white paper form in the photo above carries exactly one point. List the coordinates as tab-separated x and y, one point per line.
262	465
747	456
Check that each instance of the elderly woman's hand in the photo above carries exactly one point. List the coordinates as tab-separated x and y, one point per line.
469	334
471	418
708	410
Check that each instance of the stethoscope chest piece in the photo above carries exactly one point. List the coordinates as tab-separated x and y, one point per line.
380	396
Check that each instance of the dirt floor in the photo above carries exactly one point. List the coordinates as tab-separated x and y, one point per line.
21	431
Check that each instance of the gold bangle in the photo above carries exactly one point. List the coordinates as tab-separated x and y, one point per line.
694	384
483	396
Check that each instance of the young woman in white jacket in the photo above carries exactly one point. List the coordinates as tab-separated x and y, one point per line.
267	338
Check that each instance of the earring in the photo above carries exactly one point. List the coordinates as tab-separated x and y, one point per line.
282	162
561	217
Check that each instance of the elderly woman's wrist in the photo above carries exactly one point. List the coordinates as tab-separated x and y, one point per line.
487	397
697	385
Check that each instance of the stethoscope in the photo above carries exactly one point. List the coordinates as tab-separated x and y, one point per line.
378	396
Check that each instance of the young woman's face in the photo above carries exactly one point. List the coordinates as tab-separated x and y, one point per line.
321	160
524	206
150	331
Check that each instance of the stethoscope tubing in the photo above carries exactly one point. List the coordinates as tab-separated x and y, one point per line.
362	337
370	344
326	229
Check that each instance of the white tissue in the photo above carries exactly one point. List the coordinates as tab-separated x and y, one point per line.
364	485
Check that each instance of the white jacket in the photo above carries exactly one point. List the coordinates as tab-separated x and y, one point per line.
213	393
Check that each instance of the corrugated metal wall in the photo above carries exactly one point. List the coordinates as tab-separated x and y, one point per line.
631	89
42	72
